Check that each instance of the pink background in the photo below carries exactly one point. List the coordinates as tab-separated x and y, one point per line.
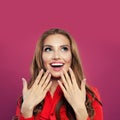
94	24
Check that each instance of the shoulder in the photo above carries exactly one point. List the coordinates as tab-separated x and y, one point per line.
19	101
97	104
96	92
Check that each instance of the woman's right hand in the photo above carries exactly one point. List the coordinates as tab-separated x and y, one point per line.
34	95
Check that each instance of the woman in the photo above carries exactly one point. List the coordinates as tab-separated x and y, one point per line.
57	89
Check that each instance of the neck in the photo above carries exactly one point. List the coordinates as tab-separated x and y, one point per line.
54	85
55	78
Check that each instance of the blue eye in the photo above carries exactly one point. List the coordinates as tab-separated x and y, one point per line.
47	49
64	49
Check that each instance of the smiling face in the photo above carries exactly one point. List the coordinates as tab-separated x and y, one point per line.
56	54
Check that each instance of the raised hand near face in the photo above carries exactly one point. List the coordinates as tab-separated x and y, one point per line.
74	95
34	95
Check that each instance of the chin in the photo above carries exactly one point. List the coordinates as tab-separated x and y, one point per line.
56	75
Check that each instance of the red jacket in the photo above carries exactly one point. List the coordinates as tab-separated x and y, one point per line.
48	112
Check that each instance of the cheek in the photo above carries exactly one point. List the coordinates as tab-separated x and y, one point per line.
68	58
46	58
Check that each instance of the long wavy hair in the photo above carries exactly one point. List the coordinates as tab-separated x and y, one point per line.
37	65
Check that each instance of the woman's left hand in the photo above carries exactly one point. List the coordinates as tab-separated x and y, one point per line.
75	96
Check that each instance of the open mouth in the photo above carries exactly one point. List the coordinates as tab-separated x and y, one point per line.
56	65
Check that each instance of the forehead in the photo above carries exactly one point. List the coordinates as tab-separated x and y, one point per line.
56	39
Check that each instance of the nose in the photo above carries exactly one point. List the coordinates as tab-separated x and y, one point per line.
56	55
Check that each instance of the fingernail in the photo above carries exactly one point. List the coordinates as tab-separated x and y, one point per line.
47	71
41	70
49	74
23	79
61	73
64	70
84	79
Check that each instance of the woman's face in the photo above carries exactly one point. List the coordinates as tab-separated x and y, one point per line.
56	54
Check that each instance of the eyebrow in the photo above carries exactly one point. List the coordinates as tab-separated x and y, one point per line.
53	46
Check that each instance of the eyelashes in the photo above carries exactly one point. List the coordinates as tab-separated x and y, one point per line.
49	49
64	49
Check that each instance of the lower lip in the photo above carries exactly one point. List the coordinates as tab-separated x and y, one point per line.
57	68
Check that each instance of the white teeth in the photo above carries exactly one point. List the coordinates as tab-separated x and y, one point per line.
57	64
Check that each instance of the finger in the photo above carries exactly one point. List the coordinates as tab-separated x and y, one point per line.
73	79
48	87
68	80
62	87
46	81
24	85
83	83
64	81
38	77
44	78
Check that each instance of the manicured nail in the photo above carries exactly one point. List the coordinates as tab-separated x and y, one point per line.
69	68
84	80
23	79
